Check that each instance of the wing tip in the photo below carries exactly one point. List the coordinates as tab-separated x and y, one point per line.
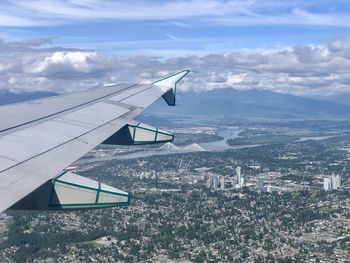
167	85
180	75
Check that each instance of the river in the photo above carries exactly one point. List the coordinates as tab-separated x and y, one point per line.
221	145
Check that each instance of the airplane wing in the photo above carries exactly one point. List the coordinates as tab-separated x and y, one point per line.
40	138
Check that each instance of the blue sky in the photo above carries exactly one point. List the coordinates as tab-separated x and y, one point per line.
171	28
299	47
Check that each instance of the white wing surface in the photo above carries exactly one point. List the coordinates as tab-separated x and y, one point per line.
40	138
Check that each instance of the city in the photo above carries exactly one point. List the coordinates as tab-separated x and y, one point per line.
175	131
284	202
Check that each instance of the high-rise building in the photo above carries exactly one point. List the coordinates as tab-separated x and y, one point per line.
241	182
336	181
239	177
215	182
332	182
222	183
327	183
238	172
208	184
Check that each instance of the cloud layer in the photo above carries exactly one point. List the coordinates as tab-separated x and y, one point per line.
302	70
22	13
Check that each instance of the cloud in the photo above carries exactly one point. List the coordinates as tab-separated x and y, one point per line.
22	13
172	37
182	25
63	64
30	45
39	12
302	70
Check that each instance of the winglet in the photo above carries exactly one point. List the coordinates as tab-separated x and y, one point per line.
167	86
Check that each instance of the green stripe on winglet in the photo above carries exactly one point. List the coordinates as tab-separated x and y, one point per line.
98	193
60	175
88	205
156	134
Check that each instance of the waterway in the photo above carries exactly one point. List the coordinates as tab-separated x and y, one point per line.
219	145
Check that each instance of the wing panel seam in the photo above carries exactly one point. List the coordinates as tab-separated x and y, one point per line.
69	109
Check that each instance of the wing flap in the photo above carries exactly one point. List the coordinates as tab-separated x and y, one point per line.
72	191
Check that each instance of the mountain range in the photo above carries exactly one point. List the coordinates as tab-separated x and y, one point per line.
230	103
343	98
252	103
7	97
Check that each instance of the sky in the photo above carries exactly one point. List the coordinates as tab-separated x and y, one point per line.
296	47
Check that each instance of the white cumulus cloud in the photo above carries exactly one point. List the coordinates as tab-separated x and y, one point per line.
300	70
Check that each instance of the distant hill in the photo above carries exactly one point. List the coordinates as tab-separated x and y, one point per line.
343	98
7	97
251	104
